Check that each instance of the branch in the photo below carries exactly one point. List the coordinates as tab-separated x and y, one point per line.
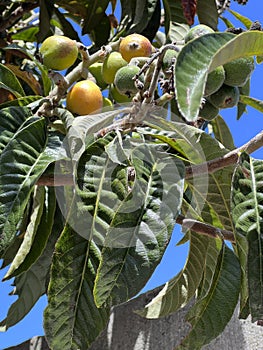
228	159
205	229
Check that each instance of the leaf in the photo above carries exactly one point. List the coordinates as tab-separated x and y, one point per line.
21	165
11	120
141	227
95	13
153	25
210	315
202	55
210	193
24	249
244	20
180	289
176	26
207	13
222	132
137	14
101	32
27	77
71	320
189	10
31	284
9	81
43	228
46	11
247	217
43	70
82	129
252	102
242	107
22	101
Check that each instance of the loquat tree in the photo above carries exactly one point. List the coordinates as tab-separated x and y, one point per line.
105	147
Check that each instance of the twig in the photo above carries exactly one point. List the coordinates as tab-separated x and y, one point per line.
205	229
229	159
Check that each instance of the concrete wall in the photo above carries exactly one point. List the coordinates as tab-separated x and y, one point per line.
128	331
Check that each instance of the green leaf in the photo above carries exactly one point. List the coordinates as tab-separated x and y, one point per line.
46	11
211	193
210	315
43	70
116	151
244	20
21	101
31	250
71	320
176	26
11	120
32	284
242	107
101	32
138	13
201	56
207	13
21	164
94	15
222	132
24	249
179	290
141	227
191	70
252	102
9	81
247	213
81	130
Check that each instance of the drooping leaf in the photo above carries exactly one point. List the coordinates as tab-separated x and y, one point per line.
140	230
210	315
32	284
27	77
137	14
151	29
207	13
222	132
71	320
101	32
189	10
210	193
176	25
46	11
252	102
179	290
11	120
29	235
242	107
43	228
244	20
94	15
23	160
43	70
247	210
202	55
9	81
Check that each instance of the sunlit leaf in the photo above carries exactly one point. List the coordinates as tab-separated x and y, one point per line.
202	55
141	227
222	132
179	290
71	320
32	284
247	209
210	315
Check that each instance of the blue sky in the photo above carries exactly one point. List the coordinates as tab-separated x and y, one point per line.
244	129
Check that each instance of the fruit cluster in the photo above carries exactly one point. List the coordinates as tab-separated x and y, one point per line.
222	89
85	97
117	72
